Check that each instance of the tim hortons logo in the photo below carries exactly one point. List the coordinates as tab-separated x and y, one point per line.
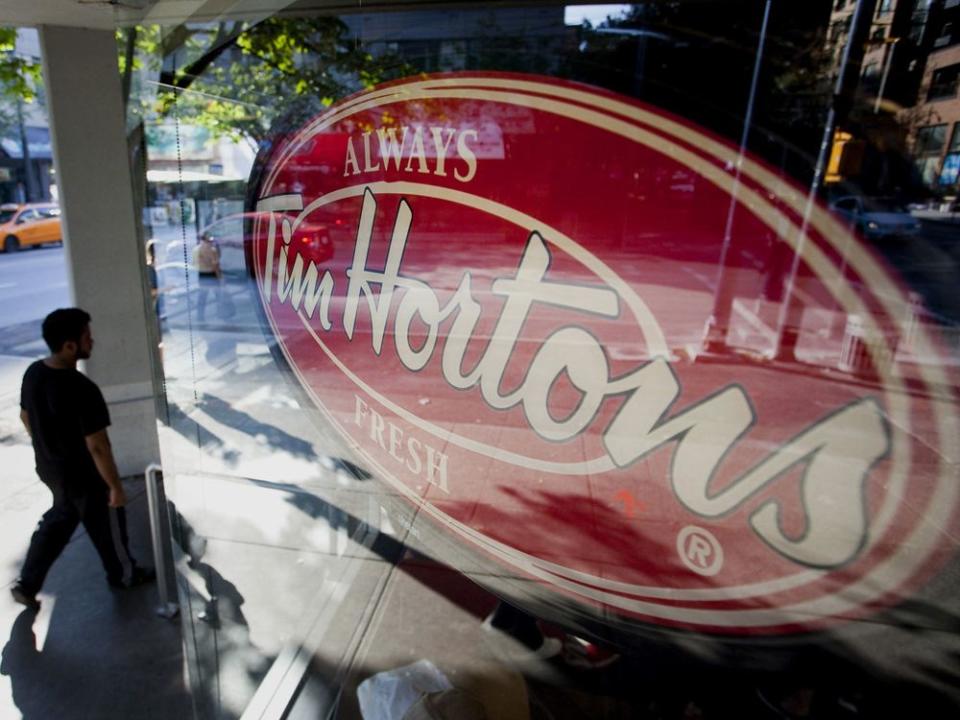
497	334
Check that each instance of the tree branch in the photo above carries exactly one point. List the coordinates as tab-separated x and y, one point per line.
222	41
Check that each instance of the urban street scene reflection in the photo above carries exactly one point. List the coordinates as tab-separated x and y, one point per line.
543	361
589	370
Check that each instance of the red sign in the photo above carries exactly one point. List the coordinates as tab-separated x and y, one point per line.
510	328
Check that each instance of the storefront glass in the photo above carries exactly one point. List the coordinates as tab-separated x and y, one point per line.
602	362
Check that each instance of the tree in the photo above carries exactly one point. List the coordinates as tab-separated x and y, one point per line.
19	76
696	59
19	80
20	83
227	77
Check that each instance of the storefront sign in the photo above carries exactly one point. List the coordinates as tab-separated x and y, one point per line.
509	333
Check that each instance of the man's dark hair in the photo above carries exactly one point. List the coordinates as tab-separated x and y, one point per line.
64	325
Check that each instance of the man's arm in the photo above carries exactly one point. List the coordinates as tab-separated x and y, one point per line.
99	446
25	419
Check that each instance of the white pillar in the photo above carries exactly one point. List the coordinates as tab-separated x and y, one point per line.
104	253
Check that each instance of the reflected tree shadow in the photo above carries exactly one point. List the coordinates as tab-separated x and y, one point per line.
221	351
662	673
224	652
274	437
223	412
335	464
828	660
589	525
196	433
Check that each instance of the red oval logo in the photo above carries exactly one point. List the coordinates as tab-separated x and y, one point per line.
505	320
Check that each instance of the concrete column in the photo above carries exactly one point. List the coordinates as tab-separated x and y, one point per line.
100	230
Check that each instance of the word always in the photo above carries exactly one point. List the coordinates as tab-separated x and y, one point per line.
427	148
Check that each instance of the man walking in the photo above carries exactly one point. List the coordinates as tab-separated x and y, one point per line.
67	418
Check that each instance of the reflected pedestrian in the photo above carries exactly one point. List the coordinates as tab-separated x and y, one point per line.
67	418
153	278
206	258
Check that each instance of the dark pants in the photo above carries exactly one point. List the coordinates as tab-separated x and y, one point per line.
106	526
209	284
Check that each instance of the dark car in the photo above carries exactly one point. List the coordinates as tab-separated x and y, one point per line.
876	218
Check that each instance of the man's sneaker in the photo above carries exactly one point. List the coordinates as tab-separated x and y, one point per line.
24	598
139	576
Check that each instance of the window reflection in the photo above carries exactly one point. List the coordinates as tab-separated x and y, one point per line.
791	230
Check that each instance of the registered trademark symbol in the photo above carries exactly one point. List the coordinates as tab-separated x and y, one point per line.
700	550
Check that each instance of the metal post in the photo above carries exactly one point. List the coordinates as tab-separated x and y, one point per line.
715	331
847	80
166	609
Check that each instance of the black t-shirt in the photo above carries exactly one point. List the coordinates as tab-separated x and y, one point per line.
64	406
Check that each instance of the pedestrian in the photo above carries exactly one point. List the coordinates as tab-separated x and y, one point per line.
206	258
67	418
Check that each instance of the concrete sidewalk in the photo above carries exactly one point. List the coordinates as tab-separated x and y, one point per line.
90	652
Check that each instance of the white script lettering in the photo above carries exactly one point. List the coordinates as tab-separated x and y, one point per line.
837	452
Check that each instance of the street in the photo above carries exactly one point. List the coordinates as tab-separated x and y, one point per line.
32	283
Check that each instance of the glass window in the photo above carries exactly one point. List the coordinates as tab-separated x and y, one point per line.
930	140
547	332
928	167
955	139
951	169
943	83
946	36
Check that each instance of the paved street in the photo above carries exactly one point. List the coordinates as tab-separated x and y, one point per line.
32	283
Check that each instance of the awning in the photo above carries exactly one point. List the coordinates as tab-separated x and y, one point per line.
174	176
38	143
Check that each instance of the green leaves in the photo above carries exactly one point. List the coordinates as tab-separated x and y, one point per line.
19	76
228	77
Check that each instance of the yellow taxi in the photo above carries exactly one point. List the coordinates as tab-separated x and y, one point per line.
30	224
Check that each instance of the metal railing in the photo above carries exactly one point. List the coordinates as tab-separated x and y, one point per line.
167	609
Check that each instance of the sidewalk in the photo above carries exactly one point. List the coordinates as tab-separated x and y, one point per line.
90	652
308	573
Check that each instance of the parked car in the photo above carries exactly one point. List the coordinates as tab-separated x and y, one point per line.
30	224
876	218
227	233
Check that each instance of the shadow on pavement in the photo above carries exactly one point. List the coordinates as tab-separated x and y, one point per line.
105	654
